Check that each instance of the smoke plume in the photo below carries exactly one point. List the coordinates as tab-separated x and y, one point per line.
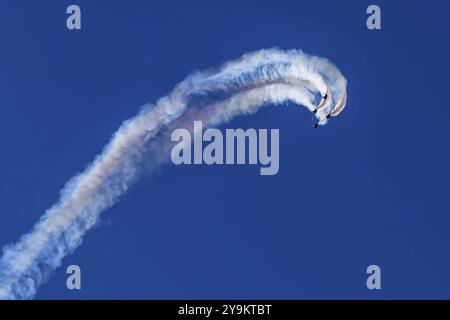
142	143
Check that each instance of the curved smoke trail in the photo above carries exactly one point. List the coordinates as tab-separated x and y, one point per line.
143	142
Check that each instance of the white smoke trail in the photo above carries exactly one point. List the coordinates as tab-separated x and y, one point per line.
238	87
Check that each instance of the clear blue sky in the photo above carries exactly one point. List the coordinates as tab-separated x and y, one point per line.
369	188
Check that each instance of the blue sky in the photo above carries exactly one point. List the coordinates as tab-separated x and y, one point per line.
369	188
